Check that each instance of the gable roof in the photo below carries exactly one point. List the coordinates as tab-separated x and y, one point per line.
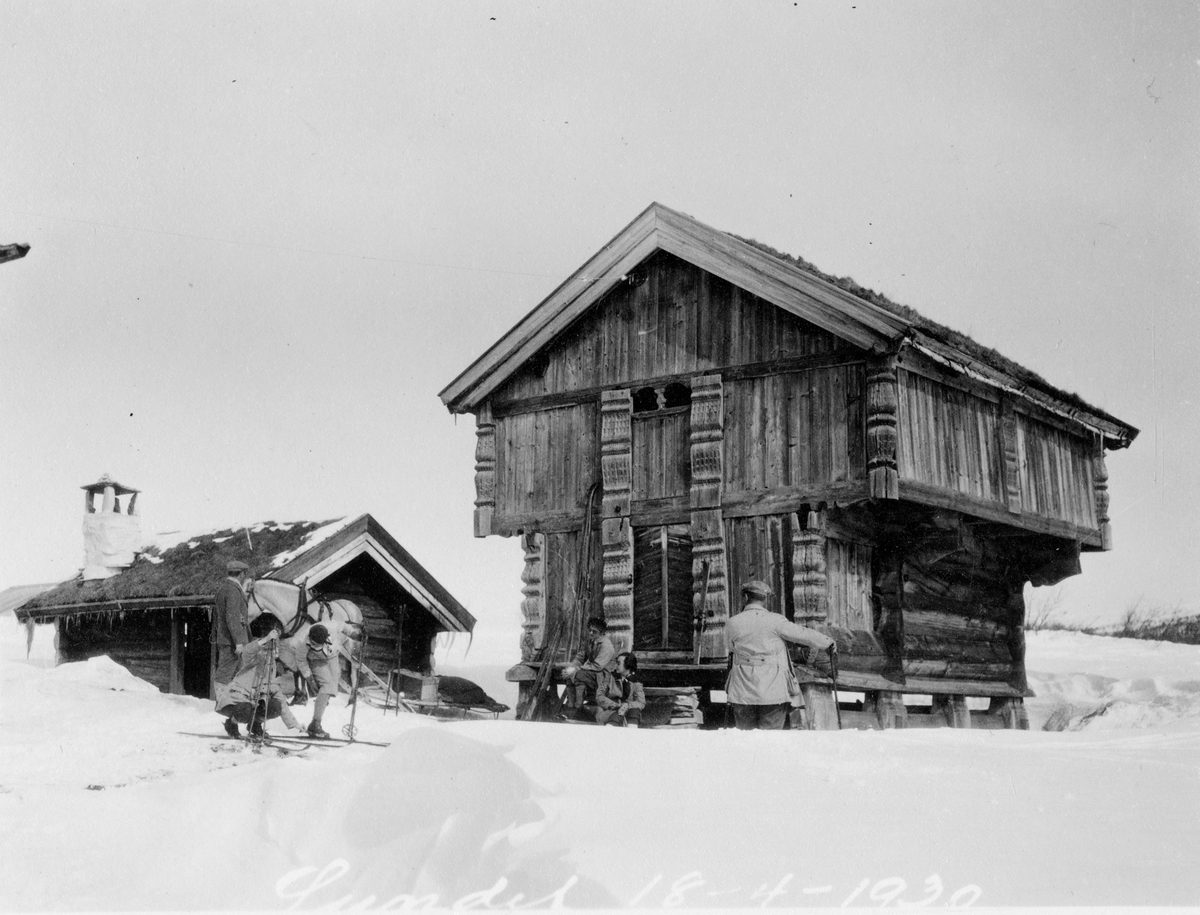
366	535
840	306
184	570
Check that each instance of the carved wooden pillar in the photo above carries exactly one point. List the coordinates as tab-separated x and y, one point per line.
708	524
616	536
882	473
533	604
1100	483
810	593
1009	440
485	470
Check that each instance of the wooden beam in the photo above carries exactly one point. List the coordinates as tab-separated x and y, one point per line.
591	394
748	503
993	511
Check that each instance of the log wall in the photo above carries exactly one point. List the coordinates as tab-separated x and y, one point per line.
138	641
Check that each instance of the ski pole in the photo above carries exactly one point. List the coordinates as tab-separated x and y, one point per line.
349	730
833	673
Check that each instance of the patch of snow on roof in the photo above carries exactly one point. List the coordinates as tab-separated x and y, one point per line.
155	560
314	537
165	540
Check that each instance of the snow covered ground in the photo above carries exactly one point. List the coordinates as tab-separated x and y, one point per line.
105	805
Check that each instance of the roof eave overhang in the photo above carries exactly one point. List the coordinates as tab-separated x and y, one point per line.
1114	433
660	228
54	611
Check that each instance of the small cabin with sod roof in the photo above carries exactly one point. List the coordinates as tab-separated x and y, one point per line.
147	602
692	409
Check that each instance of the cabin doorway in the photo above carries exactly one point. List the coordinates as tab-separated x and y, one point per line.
197	654
663	616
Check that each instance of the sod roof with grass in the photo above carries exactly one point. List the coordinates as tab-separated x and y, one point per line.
185	570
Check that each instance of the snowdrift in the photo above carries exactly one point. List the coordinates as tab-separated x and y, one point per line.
107	806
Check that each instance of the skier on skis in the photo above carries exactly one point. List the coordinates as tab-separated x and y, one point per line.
319	665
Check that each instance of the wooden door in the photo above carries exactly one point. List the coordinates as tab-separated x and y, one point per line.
663	615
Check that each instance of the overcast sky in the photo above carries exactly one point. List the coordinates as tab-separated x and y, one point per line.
266	235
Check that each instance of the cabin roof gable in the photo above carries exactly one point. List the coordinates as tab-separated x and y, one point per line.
838	305
186	572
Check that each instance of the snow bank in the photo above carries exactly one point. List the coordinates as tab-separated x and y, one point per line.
1128	683
108	807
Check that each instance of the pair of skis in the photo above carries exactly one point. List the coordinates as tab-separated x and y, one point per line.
288	744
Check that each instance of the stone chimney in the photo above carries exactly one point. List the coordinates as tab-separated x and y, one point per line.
111	531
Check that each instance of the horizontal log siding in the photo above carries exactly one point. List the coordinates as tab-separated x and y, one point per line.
546	461
949	438
680	321
1056	473
794	429
139	642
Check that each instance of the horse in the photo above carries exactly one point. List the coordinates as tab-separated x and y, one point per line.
295	609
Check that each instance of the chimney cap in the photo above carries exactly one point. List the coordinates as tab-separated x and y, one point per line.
104	482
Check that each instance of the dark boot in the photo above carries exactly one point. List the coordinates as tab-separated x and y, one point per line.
231	728
315	730
256	722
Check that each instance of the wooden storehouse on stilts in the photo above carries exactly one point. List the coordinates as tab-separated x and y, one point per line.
690	410
147	602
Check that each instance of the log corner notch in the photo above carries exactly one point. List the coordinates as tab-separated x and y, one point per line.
882	398
485	471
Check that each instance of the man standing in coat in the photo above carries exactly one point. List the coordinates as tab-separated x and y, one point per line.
759	671
231	629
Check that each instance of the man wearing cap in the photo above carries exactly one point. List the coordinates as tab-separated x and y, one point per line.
759	671
231	630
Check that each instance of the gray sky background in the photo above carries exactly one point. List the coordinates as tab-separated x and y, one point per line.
265	236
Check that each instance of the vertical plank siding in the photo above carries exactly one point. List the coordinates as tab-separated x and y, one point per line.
546	460
794	429
949	439
661	455
680	320
849	583
1056	472
560	599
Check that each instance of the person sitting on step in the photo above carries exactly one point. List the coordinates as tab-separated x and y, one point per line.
583	673
319	666
620	696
